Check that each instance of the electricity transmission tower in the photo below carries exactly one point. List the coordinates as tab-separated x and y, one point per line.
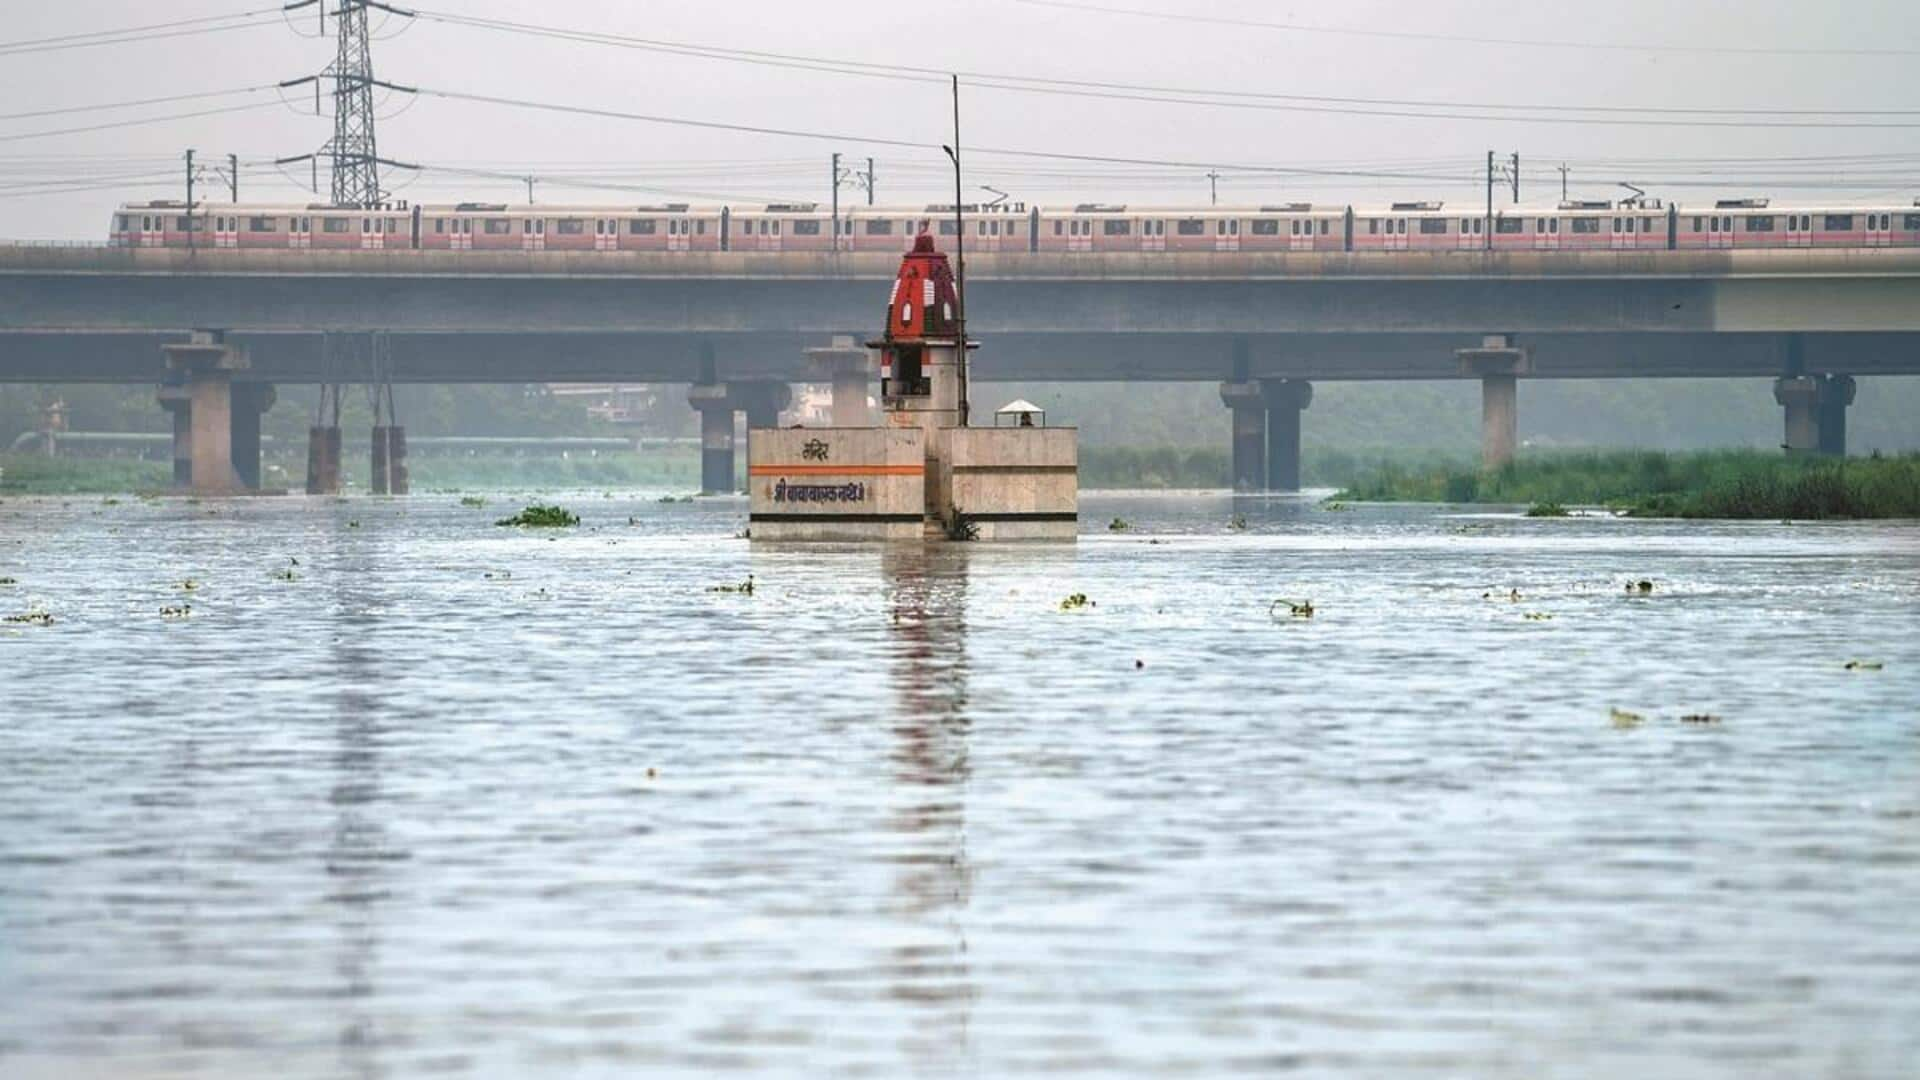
354	150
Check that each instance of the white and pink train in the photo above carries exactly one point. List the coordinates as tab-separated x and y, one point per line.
1089	227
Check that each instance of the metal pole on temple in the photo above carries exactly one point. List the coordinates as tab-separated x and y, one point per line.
960	259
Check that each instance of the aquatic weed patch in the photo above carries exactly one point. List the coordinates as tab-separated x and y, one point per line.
541	517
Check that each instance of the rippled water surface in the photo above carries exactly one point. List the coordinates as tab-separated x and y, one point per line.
458	798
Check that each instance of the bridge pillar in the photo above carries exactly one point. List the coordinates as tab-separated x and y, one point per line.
207	364
250	402
716	436
1249	433
1800	395
390	475
762	401
323	460
175	398
849	368
1498	363
1286	399
1836	396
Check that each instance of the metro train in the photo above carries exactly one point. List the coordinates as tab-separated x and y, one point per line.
1635	225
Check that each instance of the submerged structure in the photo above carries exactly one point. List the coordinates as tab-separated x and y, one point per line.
924	473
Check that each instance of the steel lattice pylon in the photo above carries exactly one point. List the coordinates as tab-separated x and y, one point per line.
353	149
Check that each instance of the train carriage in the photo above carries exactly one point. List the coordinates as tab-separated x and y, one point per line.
1631	225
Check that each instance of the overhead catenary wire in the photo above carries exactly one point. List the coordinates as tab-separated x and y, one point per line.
1468	39
1267	100
212	24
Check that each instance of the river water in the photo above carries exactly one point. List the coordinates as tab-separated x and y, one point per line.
473	800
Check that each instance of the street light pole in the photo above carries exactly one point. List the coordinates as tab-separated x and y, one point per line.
960	254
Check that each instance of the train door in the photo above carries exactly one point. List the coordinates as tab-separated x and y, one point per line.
1079	235
1622	235
226	231
1546	234
300	233
1226	234
462	238
153	231
1879	230
986	234
1300	235
1799	230
606	234
1470	234
1396	234
769	229
679	234
1153	234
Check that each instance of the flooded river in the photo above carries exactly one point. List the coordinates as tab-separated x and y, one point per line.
406	793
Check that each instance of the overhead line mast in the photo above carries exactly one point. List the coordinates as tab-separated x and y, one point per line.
354	149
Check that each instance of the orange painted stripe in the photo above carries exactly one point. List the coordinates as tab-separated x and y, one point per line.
837	470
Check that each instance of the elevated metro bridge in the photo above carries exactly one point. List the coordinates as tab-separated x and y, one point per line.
1253	320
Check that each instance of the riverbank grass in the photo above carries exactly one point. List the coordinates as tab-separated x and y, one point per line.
1720	484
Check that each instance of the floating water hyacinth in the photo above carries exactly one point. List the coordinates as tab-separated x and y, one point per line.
1299	609
541	517
1077	602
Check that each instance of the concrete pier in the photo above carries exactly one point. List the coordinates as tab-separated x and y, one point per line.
1249	404
179	404
323	460
249	402
206	364
762	401
716	436
1838	394
1286	399
1816	412
1498	363
849	369
389	446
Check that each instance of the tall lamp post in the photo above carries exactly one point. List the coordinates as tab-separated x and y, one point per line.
960	255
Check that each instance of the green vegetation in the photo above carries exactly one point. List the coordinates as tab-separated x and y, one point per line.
1719	484
541	517
36	474
1546	509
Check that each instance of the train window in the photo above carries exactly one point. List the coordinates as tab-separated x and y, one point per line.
1540	225
699	227
1433	226
1056	228
1646	225
496	226
1553	225
1839	223
1323	227
120	223
1478	226
1760	223
1913	221
1190	227
439	226
335	225
260	224
1233	228
1697	225
571	227
1373	226
1509	226
806	228
642	226
879	227
1116	228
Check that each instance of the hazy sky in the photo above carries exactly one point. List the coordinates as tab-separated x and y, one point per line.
1441	157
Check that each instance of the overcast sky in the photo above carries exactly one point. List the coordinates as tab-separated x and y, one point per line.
1441	157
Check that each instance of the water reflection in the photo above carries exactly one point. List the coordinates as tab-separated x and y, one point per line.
357	849
928	671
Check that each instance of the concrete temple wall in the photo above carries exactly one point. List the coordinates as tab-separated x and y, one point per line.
1014	483
836	483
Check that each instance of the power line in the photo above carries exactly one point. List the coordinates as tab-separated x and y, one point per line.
135	103
138	123
1466	39
139	34
1425	109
